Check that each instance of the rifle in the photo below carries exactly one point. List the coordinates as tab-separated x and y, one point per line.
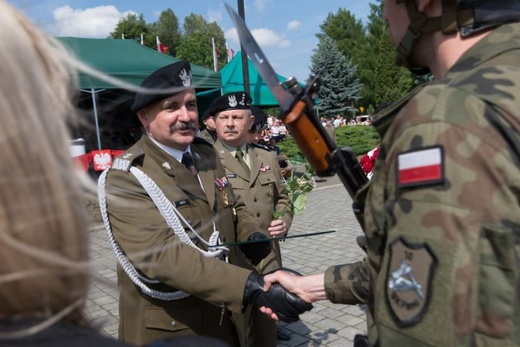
316	145
297	113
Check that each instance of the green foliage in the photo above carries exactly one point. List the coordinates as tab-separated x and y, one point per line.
196	46
392	81
340	89
296	188
131	27
290	149
350	37
361	138
370	51
167	28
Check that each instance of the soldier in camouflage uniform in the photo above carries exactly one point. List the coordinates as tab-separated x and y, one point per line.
442	214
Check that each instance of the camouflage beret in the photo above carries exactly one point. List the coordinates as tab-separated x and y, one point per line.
259	123
230	101
176	75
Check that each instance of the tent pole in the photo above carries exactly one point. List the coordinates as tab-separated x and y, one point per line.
96	117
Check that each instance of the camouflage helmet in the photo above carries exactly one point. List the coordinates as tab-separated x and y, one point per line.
466	16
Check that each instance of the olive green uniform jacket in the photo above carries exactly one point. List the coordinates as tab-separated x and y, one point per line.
157	252
210	136
443	233
263	193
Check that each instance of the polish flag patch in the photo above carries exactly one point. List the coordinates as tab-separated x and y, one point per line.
420	167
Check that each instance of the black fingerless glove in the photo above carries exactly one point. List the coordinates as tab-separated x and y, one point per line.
286	305
256	251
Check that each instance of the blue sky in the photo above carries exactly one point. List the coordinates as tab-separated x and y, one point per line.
284	29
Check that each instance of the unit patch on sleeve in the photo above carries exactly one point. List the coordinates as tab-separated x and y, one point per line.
420	167
408	284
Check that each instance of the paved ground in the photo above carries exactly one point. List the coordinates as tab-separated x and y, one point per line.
328	208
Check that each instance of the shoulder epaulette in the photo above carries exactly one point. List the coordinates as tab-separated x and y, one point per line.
124	161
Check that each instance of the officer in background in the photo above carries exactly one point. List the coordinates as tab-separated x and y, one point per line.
256	138
255	176
209	133
442	211
166	203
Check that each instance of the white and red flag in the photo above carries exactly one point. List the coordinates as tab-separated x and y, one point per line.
420	167
160	47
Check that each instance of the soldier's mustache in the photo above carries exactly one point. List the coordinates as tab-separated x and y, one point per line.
184	126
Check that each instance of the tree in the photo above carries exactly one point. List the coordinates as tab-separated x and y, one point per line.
370	50
346	31
131	27
392	82
340	88
196	46
167	28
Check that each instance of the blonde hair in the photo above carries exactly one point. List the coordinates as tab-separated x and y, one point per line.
43	225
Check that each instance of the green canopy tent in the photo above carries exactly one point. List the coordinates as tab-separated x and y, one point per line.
128	61
233	81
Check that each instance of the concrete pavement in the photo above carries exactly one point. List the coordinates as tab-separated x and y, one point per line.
328	208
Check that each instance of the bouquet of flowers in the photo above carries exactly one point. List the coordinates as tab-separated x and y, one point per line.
296	188
367	161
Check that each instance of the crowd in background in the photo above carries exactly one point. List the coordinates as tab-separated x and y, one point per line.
277	131
339	120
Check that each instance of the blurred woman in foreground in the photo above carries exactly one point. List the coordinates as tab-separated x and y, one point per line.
43	225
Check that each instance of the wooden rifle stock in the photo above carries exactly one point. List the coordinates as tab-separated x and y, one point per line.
323	155
309	139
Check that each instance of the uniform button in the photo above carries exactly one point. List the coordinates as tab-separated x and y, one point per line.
258	214
255	199
173	324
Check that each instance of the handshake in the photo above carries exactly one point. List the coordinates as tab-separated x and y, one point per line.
283	303
279	300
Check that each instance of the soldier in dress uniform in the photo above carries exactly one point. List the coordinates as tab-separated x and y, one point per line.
256	177
168	205
209	133
442	210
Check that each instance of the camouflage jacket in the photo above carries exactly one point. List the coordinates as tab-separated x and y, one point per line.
442	213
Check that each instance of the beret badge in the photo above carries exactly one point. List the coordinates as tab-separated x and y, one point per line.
185	77
232	101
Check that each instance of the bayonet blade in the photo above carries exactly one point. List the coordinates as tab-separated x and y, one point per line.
253	50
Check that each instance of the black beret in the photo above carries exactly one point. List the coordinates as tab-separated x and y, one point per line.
176	75
205	115
259	123
230	101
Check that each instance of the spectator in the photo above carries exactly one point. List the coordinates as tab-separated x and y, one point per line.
209	133
44	269
331	130
275	131
337	121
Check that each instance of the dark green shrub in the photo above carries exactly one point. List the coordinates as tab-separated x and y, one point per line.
361	138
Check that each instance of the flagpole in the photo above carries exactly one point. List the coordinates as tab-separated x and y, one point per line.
245	68
215	58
